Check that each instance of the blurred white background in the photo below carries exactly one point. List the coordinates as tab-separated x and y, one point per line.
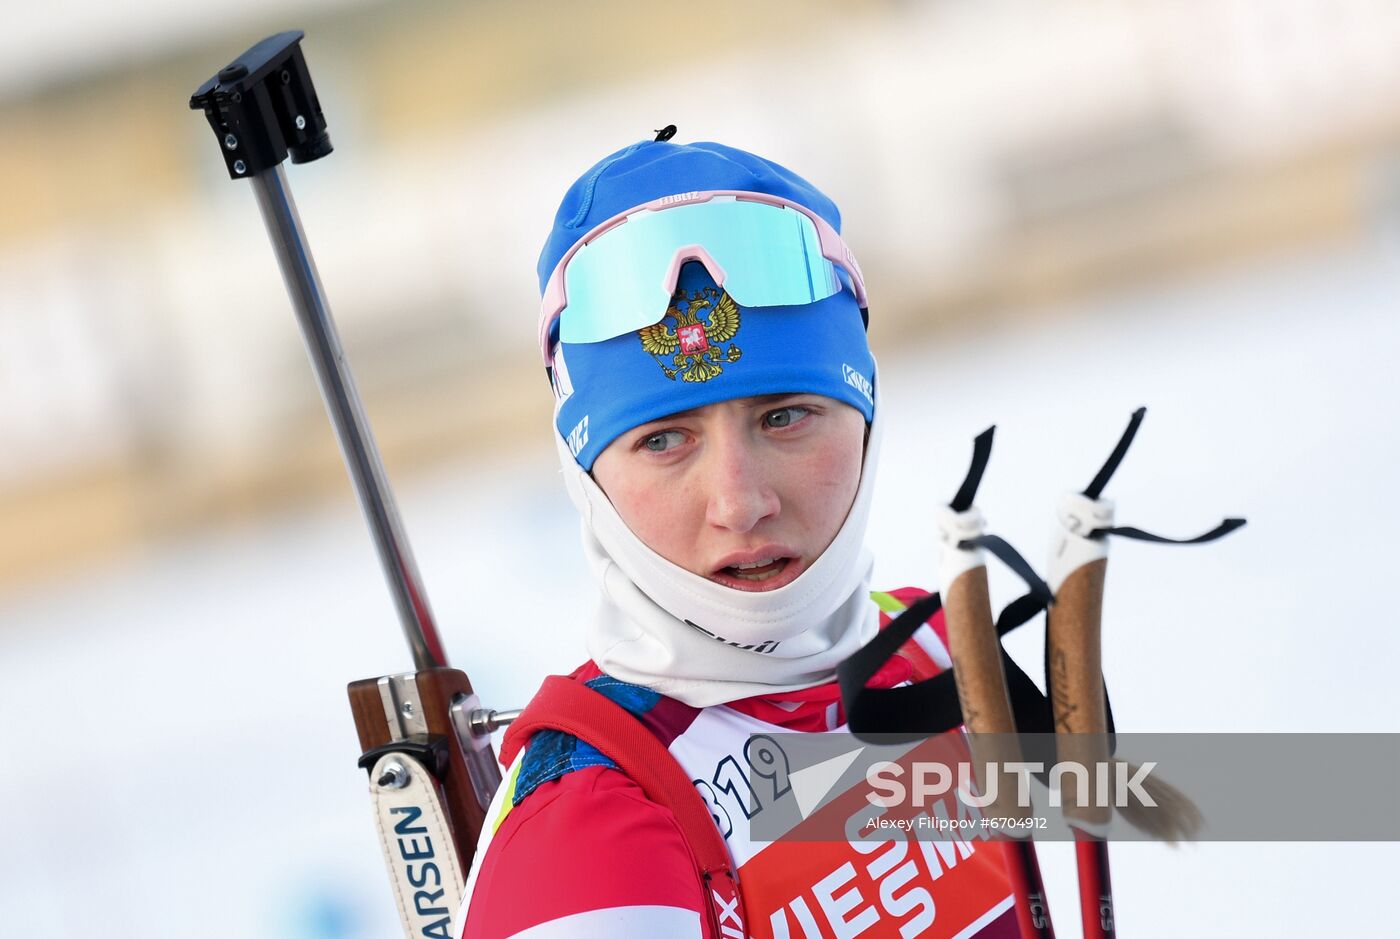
1064	209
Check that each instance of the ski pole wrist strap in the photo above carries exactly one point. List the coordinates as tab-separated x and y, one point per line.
1077	512
571	707
931	706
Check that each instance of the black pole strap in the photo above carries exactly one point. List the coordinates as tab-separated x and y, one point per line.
1001	549
861	666
981	453
922	709
931	706
1137	534
1019	612
910	712
1105	473
1120	450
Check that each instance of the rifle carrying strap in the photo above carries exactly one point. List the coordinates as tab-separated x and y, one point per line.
414	835
566	705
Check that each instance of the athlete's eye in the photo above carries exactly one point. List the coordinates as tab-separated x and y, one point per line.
665	440
784	417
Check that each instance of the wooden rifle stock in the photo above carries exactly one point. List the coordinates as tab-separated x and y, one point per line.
438	690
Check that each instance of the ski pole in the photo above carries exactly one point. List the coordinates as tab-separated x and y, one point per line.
1074	673
975	649
1074	653
424	738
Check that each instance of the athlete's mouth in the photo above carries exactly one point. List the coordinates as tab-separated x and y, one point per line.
765	568
759	570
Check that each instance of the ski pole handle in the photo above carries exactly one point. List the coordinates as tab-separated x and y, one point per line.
976	655
1074	639
975	649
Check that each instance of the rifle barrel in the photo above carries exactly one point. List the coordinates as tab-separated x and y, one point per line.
347	415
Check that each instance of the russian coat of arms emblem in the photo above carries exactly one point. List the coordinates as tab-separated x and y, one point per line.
694	349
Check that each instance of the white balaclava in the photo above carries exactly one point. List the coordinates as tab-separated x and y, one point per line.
689	638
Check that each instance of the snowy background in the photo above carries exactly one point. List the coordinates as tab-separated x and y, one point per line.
228	799
1065	209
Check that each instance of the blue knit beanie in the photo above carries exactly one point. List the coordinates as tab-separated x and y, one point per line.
606	388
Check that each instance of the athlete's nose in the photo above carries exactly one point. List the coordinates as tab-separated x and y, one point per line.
739	492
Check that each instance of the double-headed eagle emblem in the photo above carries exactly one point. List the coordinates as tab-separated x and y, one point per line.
694	348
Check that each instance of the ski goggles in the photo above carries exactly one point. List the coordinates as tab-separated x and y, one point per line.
760	249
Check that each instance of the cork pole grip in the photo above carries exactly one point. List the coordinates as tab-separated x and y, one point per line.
976	654
1074	641
981	683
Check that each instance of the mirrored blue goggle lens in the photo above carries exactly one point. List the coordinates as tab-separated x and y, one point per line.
771	257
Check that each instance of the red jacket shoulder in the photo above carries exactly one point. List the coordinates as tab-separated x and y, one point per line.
590	840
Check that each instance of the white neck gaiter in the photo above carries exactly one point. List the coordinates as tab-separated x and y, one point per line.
689	638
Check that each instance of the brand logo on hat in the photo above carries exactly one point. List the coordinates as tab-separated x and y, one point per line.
859	382
695	349
578	437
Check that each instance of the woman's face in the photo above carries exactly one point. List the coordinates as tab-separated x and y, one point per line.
747	493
